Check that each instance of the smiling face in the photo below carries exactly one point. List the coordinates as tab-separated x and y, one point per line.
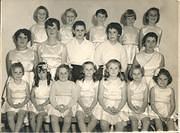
22	41
113	70
63	74
113	35
52	31
41	15
150	44
17	73
70	18
89	70
79	32
162	81
152	16
101	18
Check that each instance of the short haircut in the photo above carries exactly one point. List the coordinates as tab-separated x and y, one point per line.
79	22
102	11
145	17
25	31
133	68
36	74
116	26
63	66
127	13
16	65
163	71
36	12
51	22
149	34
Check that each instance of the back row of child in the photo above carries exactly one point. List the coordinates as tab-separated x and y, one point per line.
47	47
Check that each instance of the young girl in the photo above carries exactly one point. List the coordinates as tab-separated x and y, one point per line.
68	18
111	49
150	19
63	95
38	30
52	51
18	95
130	36
162	99
40	96
98	32
112	97
88	98
138	99
149	58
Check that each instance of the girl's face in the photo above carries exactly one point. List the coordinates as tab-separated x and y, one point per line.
70	18
52	31
113	69
89	70
113	35
22	41
150	44
41	15
101	18
42	74
130	20
17	73
137	74
162	81
79	32
63	74
152	16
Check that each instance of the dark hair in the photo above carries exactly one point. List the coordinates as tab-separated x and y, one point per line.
102	11
16	65
127	13
63	66
65	13
149	34
79	22
25	31
82	77
116	26
36	75
163	71
51	22
133	68
106	73
145	17
36	12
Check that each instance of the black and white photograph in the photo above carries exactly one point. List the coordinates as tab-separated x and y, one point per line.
89	66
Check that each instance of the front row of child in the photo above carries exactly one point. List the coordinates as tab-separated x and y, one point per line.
111	100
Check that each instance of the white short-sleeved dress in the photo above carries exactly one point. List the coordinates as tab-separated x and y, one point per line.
18	95
88	90
112	98
130	40
65	34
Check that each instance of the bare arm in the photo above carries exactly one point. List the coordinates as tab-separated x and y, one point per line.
123	98
64	55
141	35
145	100
9	98
95	98
162	63
8	63
36	59
172	103
53	96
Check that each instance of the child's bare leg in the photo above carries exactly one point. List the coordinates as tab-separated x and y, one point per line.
32	117
11	121
67	122
55	123
145	123
134	123
104	126
120	126
20	119
170	125
80	117
158	124
40	121
92	123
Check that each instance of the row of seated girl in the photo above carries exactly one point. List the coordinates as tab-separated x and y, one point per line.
111	100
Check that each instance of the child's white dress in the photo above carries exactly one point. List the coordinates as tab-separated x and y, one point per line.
88	90
137	97
112	97
38	32
148	28
52	55
162	101
65	34
18	95
62	93
98	35
130	40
